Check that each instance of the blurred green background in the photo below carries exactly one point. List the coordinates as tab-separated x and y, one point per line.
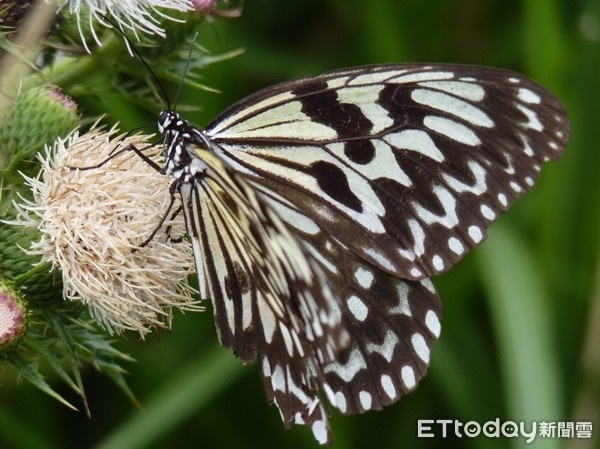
521	329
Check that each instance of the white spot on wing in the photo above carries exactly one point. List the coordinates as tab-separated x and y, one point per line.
319	430
438	263
375	77
415	272
487	212
421	76
388	386
451	129
529	96
365	399
337	82
456	246
415	140
452	105
278	379
403	306
503	200
347	371
433	323
468	91
386	349
340	402
420	346
287	339
364	277
408	377
266	368
357	307
428	284
267	319
418	236
475	233
532	119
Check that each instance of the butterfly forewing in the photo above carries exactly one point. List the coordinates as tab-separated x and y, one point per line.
319	208
406	165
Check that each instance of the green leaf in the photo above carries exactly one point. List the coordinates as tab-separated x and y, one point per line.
520	306
189	390
29	371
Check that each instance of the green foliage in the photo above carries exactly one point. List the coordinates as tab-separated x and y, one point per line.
518	311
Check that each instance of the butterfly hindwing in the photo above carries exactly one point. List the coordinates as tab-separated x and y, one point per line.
270	299
392	322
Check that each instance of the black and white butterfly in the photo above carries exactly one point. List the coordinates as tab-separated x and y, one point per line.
318	209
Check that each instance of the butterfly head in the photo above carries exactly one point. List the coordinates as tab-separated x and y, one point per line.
169	120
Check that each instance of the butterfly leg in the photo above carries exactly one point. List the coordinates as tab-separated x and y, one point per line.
172	189
130	147
170	228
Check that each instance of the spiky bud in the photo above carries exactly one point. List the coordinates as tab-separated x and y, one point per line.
39	115
13	318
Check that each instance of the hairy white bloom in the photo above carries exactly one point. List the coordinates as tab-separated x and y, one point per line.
93	222
135	15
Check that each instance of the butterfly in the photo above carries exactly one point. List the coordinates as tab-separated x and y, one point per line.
319	209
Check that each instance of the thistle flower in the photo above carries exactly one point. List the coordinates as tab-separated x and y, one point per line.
13	318
53	114
204	5
92	222
135	15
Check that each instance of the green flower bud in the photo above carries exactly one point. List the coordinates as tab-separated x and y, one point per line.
177	31
13	318
38	117
20	258
13	239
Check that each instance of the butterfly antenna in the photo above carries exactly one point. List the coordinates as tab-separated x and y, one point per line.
187	66
141	58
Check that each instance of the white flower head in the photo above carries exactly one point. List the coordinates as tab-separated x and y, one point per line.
134	15
93	222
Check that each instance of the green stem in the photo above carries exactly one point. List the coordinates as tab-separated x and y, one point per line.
71	70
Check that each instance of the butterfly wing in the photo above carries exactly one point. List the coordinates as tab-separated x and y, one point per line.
405	165
270	298
392	322
292	298
328	202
